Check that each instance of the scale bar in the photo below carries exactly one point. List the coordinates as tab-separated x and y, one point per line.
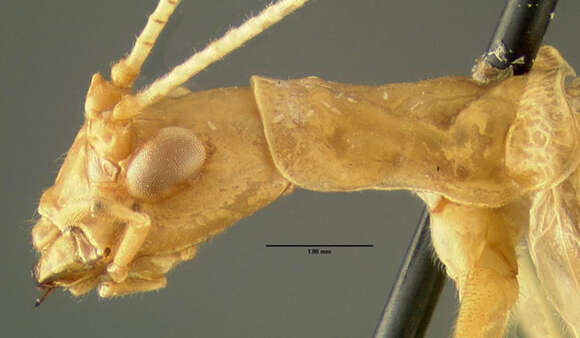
320	245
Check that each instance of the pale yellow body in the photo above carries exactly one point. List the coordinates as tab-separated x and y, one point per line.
483	157
152	175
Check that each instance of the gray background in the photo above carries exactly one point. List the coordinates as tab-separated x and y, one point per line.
235	287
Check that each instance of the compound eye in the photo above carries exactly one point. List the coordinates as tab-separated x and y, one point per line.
164	163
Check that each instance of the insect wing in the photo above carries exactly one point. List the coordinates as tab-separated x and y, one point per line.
554	244
543	141
534	315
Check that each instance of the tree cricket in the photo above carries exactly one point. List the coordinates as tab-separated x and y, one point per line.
151	175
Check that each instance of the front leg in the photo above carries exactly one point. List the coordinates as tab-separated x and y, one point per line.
137	228
98	221
477	245
79	213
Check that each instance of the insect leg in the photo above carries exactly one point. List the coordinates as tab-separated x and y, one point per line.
126	70
477	245
131	285
147	274
137	228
